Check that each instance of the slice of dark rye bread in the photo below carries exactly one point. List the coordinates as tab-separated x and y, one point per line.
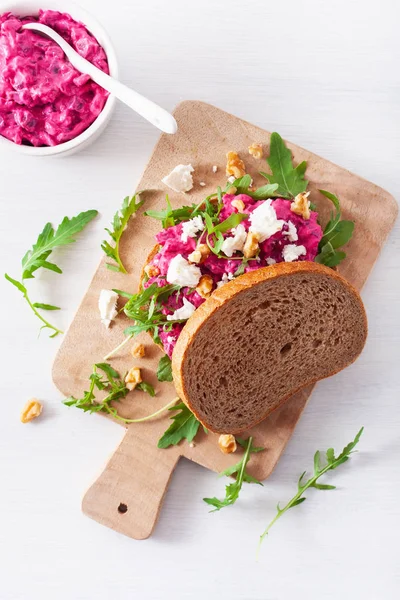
261	337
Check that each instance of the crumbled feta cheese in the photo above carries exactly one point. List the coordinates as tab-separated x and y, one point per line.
202	184
191	228
230	244
292	232
107	306
225	278
292	252
231	179
271	261
184	312
180	179
215	168
264	222
181	272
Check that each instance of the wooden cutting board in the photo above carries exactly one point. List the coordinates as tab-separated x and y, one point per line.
128	494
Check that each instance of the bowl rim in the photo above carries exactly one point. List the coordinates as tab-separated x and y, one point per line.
29	7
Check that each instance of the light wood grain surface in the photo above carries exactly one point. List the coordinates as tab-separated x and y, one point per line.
326	77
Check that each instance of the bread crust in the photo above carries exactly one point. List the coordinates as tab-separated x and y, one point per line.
222	295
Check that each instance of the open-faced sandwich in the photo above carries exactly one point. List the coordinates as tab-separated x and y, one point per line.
241	293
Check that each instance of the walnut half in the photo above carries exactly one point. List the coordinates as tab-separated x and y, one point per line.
256	150
227	443
200	254
205	285
301	205
31	410
133	377
235	166
151	271
251	244
138	350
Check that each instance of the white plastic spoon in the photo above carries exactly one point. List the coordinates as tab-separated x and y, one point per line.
144	107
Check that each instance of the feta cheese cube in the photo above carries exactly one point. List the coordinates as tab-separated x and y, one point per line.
181	272
292	232
184	312
264	221
292	252
107	306
191	228
231	244
180	179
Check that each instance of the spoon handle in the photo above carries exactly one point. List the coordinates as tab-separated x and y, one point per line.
146	108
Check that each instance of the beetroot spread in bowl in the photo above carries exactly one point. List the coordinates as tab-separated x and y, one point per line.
44	100
283	236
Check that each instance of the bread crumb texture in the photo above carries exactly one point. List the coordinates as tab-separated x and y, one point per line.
264	343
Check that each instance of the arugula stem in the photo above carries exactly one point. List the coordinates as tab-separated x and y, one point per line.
39	316
281	511
121	345
118	258
245	459
155	414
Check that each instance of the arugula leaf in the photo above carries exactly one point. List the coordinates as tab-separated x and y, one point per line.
145	308
49	239
112	383
120	221
146	387
45	306
241	184
16	283
109	380
332	463
164	370
290	180
37	256
264	192
232	490
242	266
232	221
336	234
184	426
170	216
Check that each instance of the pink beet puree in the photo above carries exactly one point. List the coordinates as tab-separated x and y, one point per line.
309	235
44	100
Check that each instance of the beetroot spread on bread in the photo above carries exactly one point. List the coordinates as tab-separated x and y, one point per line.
228	235
292	238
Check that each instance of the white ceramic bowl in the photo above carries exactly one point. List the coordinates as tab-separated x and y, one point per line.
31	8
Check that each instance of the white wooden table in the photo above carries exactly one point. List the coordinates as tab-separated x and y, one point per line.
325	75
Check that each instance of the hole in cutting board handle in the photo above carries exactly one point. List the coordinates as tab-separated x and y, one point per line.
122	508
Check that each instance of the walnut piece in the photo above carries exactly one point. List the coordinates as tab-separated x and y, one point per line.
235	165
138	350
31	410
133	377
301	205
256	150
205	285
251	245
200	254
238	204
227	443
151	271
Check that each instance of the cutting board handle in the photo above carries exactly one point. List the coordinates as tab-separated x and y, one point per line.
128	494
